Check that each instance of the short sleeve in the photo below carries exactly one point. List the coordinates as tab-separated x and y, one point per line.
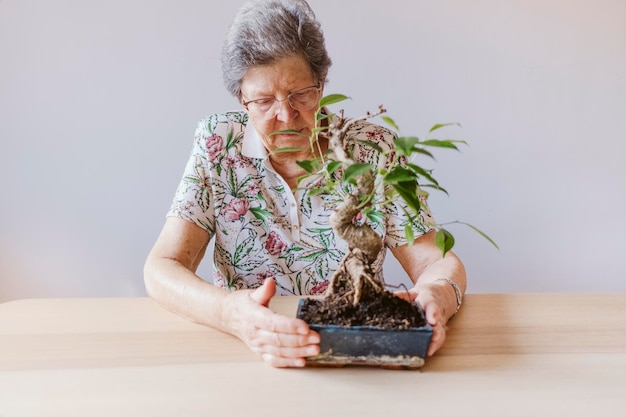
397	219
193	200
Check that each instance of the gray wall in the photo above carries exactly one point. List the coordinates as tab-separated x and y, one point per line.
99	100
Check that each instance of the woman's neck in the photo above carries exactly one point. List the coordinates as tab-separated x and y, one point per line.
285	165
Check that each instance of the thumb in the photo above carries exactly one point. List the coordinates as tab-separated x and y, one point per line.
265	292
432	313
409	295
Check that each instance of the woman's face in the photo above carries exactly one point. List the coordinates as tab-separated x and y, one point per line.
277	81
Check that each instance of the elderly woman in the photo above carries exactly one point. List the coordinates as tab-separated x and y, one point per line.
270	236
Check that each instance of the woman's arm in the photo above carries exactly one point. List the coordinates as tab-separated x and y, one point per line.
430	272
170	279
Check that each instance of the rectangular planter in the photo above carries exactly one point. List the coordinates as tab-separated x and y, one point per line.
371	346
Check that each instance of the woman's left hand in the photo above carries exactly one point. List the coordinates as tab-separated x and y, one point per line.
432	298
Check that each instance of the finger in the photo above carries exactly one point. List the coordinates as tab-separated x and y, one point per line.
265	337
272	322
265	292
279	362
267	319
432	315
431	311
288	352
409	296
439	337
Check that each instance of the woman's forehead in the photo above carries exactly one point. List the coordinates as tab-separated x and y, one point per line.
285	75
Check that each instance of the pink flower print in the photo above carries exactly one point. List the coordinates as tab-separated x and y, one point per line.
241	162
253	189
319	288
214	146
265	275
234	162
274	245
236	208
229	163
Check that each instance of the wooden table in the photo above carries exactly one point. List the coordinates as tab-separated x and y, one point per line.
506	355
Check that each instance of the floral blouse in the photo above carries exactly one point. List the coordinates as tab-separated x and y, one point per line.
263	229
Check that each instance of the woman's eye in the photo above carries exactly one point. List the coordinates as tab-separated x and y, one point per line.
299	96
264	102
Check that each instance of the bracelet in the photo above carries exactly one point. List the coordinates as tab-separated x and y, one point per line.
457	290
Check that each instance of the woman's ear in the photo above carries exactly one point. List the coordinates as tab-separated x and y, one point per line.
322	85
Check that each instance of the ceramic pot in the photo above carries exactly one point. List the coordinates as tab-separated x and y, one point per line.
371	345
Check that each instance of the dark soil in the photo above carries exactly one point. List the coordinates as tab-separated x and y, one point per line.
385	310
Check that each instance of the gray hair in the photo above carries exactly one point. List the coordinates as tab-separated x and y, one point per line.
265	31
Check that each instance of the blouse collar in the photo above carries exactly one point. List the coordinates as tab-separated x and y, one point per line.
252	146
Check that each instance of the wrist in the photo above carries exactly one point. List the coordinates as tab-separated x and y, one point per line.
458	295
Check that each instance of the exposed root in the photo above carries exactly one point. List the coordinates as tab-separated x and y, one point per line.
354	278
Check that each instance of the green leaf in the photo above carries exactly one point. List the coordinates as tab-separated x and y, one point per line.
317	130
444	241
287	149
320	230
308	165
319	116
315	191
405	144
439	126
399	174
193	179
332	166
421	171
373	215
483	234
426	174
243	250
229	139
436	187
332	99
423	152
311	256
287	132
355	170
408	192
302	178
408	233
446	143
260	214
390	122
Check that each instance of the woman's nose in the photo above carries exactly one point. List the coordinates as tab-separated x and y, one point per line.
285	113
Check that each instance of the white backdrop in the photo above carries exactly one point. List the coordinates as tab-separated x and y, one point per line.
99	101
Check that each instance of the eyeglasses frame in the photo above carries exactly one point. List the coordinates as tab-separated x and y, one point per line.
317	86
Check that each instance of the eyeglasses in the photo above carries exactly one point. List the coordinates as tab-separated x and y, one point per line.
301	100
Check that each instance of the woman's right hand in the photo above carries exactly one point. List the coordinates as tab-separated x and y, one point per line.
281	341
171	280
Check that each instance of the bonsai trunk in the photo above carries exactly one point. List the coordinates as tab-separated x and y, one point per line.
354	278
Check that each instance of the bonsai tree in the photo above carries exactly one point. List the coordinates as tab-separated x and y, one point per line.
361	188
